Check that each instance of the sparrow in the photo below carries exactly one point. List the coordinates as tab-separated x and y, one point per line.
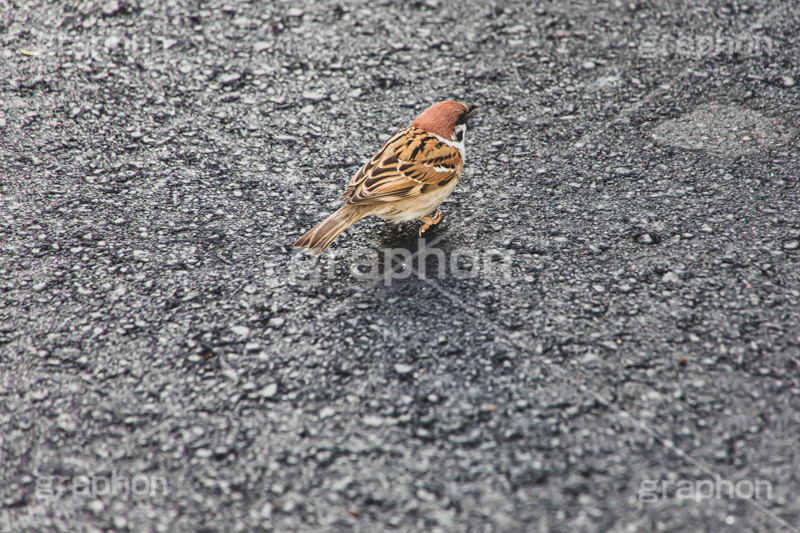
417	168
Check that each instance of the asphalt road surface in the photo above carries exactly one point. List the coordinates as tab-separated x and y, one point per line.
602	334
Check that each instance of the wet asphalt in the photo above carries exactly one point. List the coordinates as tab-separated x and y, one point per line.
602	334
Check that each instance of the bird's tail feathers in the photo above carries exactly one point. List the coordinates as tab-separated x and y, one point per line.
318	238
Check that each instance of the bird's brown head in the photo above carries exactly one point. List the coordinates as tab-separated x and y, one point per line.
446	119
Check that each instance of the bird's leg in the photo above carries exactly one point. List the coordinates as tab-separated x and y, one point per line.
430	221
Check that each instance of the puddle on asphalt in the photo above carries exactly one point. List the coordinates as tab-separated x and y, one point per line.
723	130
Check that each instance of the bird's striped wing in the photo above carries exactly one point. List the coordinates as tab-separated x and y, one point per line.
410	164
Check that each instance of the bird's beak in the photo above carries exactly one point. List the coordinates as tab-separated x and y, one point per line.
471	112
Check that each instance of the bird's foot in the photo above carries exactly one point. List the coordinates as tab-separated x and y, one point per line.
430	221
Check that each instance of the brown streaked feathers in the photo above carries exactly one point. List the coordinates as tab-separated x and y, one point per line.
402	169
408	178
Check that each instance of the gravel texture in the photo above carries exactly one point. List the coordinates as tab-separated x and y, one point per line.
620	305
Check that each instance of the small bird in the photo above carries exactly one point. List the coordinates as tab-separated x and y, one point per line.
407	179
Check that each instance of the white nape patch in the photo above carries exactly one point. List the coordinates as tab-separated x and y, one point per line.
454	144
